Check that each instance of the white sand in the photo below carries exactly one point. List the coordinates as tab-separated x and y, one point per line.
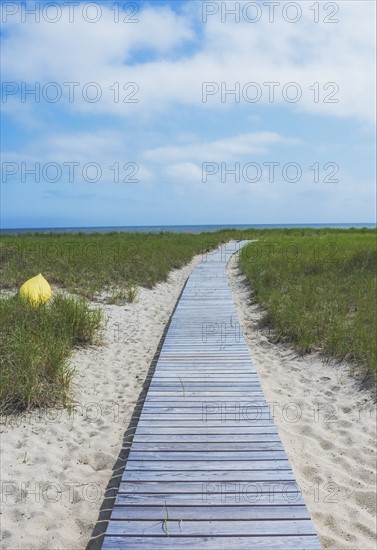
55	468
58	467
327	426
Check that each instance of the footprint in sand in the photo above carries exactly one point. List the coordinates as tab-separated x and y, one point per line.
306	430
72	448
345	424
327	445
367	500
312	474
99	460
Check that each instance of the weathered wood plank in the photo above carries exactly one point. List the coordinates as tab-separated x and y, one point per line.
226	404
219	395
216	456
208	476
249	491
205	415
184	387
206	438
228	499
231	409
205	428
227	464
211	528
212	543
261	425
219	513
205	446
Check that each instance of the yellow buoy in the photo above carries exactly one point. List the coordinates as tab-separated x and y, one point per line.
36	290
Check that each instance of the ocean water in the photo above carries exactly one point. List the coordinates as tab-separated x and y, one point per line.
179	228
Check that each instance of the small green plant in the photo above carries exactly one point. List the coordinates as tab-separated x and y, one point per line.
166	521
117	297
183	388
132	293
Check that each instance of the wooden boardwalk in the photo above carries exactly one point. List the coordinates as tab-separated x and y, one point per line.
207	469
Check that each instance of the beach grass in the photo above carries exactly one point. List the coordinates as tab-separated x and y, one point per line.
35	346
319	292
89	263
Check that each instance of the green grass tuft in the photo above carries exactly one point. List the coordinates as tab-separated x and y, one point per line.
35	344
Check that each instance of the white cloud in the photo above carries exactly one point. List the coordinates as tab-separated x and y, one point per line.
242	52
42	50
219	150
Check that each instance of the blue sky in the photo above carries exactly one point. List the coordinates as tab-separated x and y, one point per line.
167	138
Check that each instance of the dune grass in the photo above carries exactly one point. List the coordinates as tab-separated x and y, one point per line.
319	292
35	345
90	263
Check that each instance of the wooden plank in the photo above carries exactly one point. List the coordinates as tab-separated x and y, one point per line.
201	420
187	390
229	499
226	377
268	542
178	374
183	386
217	456
203	428
224	373
199	403
203	447
210	427
228	368
173	439
218	513
241	489
189	476
204	394
211	528
207	465
178	405
209	411
206	409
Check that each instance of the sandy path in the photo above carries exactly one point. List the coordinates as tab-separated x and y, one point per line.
55	467
327	426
